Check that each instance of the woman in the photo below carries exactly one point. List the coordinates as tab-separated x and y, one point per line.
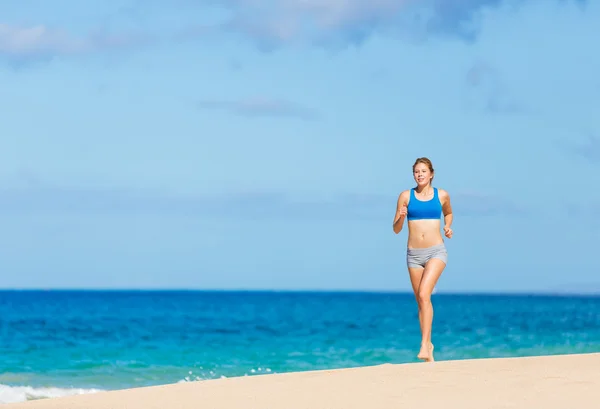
426	254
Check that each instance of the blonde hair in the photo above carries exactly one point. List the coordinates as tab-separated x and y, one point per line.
427	163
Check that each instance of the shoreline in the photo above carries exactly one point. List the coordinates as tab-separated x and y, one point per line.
548	381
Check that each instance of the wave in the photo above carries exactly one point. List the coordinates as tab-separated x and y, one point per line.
14	394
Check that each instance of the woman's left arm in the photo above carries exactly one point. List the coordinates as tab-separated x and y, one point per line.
447	210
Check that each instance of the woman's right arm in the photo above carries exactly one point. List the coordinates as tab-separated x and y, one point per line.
400	212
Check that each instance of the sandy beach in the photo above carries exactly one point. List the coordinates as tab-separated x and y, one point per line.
548	382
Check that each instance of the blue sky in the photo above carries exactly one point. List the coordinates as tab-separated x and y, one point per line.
258	144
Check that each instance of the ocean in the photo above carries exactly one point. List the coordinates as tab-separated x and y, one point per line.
56	343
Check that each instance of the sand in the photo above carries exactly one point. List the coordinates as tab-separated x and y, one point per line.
547	382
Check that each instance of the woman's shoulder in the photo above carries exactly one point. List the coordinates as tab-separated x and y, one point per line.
404	194
442	193
404	197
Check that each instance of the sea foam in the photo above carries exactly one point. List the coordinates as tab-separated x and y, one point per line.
14	394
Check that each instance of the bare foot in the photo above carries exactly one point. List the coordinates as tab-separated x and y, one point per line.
426	354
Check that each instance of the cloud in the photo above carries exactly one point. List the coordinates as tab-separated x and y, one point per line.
458	18
269	24
256	107
587	209
485	88
275	23
21	44
588	150
283	21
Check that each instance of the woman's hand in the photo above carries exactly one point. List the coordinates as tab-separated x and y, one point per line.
403	211
448	231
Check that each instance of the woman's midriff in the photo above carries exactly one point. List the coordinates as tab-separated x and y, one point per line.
424	233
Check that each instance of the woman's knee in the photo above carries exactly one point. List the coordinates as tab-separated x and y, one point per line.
423	296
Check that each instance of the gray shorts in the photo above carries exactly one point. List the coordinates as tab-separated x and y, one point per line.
420	257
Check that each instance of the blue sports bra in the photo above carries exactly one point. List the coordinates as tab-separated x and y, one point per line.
418	209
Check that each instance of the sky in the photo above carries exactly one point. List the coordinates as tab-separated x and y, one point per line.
253	144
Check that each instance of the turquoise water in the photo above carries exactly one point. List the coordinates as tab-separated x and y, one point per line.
55	343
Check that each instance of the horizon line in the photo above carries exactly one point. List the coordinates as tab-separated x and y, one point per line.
595	293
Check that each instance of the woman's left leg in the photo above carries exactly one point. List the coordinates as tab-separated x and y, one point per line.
431	274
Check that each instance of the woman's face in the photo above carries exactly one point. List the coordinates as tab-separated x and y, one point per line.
422	174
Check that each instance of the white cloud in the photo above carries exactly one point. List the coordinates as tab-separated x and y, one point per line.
42	42
351	21
39	39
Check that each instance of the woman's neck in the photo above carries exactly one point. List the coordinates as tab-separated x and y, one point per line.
427	188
